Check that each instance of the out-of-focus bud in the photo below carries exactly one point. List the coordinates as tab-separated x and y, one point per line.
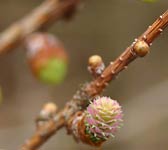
95	65
48	111
47	57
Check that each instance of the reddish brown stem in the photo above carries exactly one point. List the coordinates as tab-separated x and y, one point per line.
96	87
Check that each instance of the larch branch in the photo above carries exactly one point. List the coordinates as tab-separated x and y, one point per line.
97	85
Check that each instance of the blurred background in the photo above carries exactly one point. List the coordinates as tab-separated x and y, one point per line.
104	27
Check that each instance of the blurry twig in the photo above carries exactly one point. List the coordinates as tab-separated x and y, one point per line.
48	12
140	47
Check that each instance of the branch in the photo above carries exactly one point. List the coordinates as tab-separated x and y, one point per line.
48	12
131	53
138	48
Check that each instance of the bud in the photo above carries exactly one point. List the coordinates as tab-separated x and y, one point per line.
48	111
50	108
141	48
47	57
103	118
95	65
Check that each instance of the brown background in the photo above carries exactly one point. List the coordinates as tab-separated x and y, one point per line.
104	27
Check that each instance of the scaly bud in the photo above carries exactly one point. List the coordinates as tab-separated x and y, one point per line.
95	65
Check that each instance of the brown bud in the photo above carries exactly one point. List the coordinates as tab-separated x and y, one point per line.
95	60
141	48
96	65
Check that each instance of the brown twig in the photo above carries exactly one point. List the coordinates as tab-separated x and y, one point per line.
95	87
49	11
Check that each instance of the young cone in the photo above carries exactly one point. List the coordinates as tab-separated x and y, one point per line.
100	121
47	58
103	118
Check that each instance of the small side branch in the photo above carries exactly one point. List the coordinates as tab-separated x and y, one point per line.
97	85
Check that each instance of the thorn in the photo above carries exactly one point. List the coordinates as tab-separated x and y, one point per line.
113	72
111	63
161	17
144	37
160	30
121	59
133	43
133	53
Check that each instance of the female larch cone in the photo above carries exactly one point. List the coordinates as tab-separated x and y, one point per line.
103	118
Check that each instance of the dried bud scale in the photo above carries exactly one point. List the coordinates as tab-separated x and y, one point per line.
100	121
47	57
95	65
48	112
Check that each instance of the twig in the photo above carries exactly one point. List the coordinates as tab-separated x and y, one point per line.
95	87
48	12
